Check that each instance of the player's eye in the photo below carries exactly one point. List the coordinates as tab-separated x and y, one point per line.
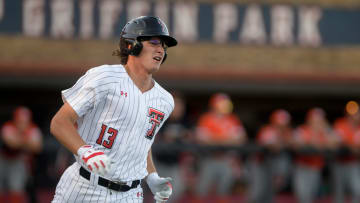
156	42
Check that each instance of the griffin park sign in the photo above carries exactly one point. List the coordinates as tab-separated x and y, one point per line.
188	21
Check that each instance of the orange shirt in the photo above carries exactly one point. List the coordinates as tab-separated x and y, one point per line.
219	128
307	136
349	135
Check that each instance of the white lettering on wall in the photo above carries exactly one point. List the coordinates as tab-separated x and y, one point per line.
309	34
86	19
282	25
109	13
33	17
137	8
162	11
253	29
225	21
185	21
1	9
62	15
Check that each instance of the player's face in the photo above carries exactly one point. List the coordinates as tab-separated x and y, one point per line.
22	119
152	54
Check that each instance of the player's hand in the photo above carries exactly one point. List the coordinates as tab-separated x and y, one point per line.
164	194
94	160
160	187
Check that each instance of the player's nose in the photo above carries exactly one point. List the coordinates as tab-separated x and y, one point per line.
160	49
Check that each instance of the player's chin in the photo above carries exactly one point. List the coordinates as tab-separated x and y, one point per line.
155	67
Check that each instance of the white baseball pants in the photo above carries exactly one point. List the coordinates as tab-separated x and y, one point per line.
74	188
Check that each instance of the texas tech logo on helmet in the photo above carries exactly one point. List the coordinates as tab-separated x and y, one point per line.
156	117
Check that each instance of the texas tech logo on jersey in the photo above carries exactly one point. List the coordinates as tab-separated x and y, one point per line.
156	117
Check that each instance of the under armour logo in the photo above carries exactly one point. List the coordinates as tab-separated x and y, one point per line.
122	93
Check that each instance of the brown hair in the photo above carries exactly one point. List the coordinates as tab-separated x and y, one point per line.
122	52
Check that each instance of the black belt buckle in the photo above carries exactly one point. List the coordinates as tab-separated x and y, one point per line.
123	186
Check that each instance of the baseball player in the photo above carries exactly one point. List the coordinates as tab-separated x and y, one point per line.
346	167
316	133
21	139
110	118
269	168
219	126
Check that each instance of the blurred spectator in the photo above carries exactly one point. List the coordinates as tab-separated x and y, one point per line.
269	168
168	160
346	169
316	134
218	127
21	140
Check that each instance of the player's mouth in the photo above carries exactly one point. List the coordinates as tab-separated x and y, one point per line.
157	58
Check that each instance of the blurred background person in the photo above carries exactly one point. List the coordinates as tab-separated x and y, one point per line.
270	167
346	169
317	135
219	127
168	153
21	139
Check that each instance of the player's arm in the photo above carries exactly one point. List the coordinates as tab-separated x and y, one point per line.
160	187
63	128
150	164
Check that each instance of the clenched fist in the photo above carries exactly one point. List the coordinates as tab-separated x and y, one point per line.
94	160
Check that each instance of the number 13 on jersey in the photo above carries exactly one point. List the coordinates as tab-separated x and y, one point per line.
110	140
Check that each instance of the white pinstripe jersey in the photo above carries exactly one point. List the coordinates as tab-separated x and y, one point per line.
117	118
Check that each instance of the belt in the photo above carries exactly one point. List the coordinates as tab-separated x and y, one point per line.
117	186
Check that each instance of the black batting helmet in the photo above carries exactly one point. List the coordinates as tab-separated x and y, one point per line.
139	28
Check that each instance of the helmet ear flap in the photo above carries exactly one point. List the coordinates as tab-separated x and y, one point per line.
134	47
